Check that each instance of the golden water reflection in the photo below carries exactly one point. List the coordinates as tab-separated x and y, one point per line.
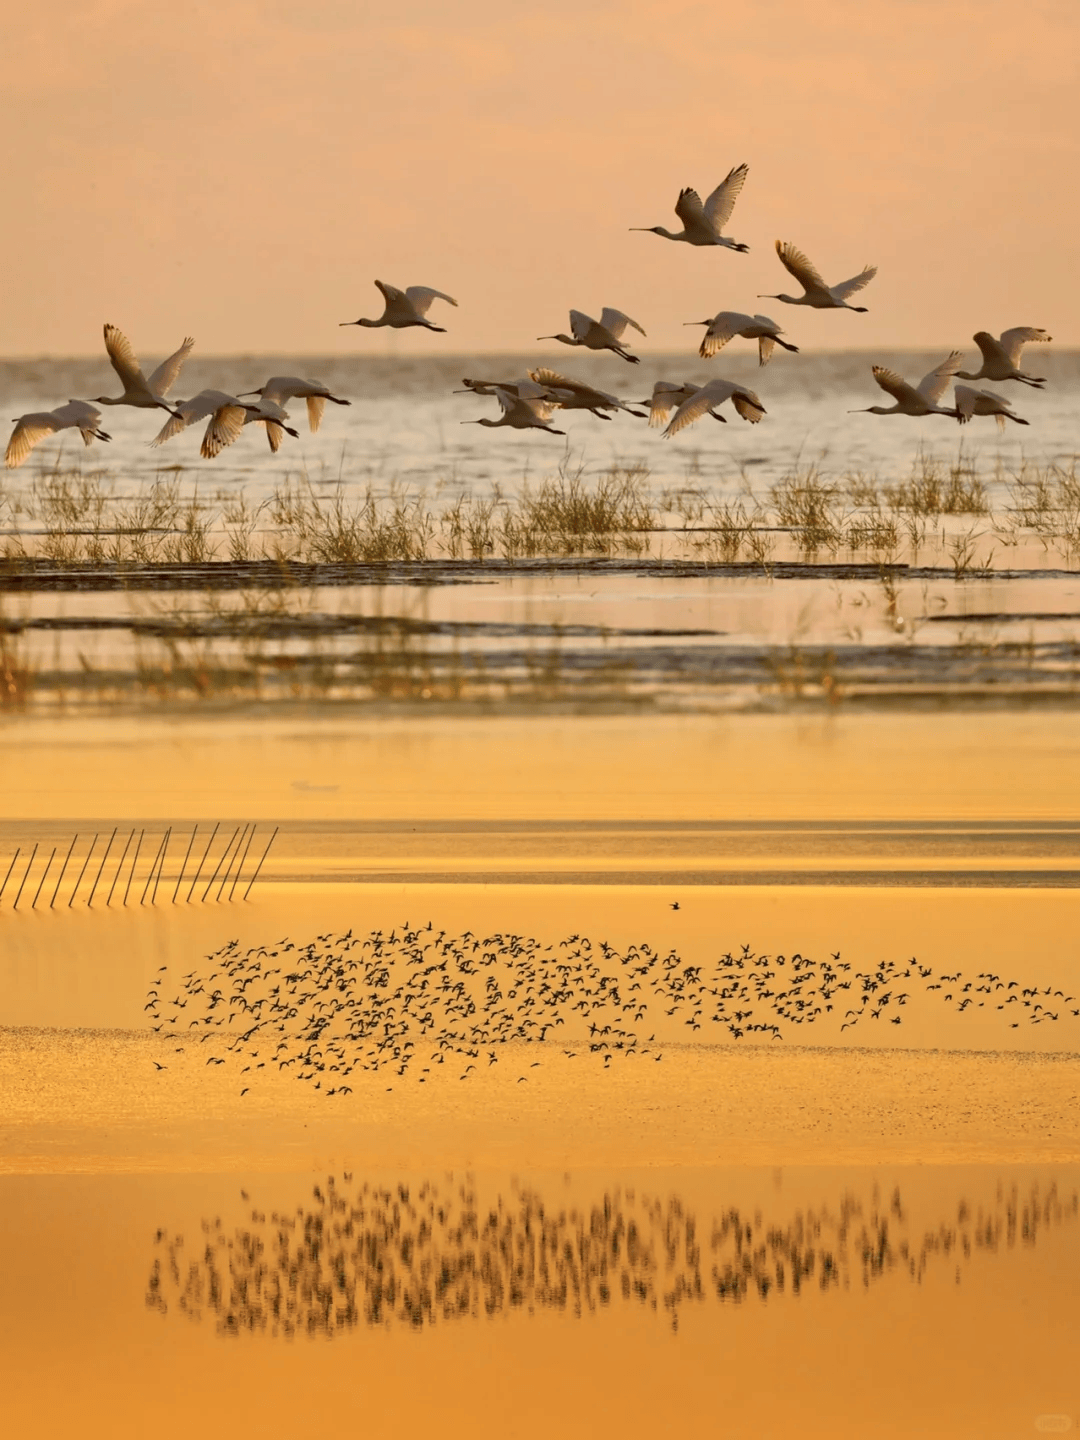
415	1255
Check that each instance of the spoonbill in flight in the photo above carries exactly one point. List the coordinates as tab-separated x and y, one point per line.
228	416
667	396
144	394
576	395
702	224
729	323
406	307
715	393
281	388
603	334
817	294
31	429
921	399
983	402
521	412
1001	358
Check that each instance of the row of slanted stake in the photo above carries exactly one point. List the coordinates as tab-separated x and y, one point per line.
227	871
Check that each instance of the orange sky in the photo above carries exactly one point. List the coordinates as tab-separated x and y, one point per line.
241	170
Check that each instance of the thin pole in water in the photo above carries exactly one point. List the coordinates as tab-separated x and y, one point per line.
82	872
119	867
101	867
225	877
243	862
153	867
161	867
202	862
214	876
41	882
63	867
11	867
260	864
134	862
183	867
27	872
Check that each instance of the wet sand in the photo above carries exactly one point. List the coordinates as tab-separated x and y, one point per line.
764	831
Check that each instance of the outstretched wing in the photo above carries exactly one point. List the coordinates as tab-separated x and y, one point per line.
965	399
1014	340
690	210
175	423
164	377
122	358
724	327
855	284
691	410
615	322
933	386
721	202
799	265
551	379
748	405
421	296
29	431
580	324
225	426
316	404
665	397
896	386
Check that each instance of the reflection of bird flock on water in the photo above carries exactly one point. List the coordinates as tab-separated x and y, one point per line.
418	1004
530	402
419	1255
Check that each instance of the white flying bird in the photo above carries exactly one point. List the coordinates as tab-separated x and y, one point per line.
983	402
702	401
227	414
921	399
144	394
576	395
702	224
603	334
729	323
406	307
817	294
667	396
31	429
521	412
1001	358
281	388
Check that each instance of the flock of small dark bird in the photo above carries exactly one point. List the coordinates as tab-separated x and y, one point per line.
421	1255
530	402
416	1004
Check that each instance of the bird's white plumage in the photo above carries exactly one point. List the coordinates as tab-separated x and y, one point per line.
721	203
715	392
167	373
702	224
615	322
31	429
728	323
971	402
933	386
817	293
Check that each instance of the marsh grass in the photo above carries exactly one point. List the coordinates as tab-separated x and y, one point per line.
72	519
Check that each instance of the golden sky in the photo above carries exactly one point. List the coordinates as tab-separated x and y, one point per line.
242	170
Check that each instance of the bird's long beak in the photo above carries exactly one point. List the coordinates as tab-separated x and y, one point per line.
241	393
865	410
547	337
348	322
697	322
